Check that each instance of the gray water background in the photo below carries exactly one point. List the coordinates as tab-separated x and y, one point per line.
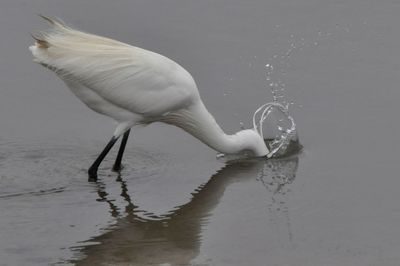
337	203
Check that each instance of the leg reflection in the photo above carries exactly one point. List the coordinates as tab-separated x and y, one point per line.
175	238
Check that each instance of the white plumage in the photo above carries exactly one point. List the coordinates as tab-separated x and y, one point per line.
134	86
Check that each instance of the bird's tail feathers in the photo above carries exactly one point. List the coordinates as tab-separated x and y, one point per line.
64	48
43	38
66	40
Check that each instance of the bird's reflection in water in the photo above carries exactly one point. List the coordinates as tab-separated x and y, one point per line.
276	177
175	239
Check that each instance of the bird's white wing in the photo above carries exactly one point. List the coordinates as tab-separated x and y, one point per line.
131	78
146	84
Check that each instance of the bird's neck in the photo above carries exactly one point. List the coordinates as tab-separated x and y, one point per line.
197	121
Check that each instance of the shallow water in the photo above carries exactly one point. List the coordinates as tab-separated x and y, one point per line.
175	203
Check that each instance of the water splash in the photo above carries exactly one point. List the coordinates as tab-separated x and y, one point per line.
287	135
276	85
285	141
285	126
275	115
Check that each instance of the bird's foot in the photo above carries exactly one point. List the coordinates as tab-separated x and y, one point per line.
117	168
92	175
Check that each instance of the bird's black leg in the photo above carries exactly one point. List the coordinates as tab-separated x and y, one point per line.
93	169
117	164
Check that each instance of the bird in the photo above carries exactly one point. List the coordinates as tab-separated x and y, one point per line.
134	86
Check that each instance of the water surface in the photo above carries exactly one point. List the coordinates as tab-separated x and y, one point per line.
176	204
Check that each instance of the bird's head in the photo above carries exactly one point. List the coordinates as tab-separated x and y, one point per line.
252	142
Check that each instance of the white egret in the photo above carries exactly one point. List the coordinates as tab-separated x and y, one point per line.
134	86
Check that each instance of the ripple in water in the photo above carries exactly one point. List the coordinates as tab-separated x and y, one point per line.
35	168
